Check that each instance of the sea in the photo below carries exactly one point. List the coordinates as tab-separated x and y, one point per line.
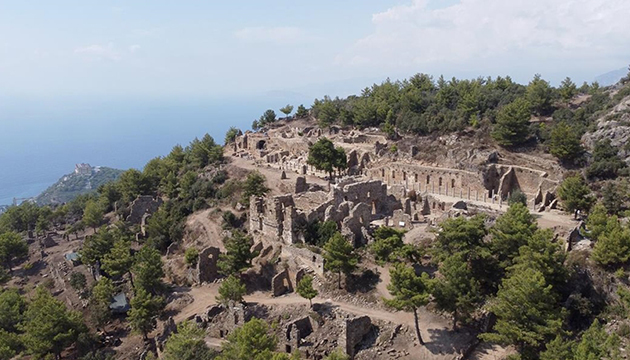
41	139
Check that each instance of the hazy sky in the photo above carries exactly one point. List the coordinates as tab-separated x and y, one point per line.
220	49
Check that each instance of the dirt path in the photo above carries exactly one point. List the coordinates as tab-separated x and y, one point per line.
442	343
204	297
211	228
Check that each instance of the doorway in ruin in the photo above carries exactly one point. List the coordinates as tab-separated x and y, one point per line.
428	179
440	182
261	145
415	176
452	183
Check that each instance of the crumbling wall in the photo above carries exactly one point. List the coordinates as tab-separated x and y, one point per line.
144	204
353	333
206	269
302	257
281	283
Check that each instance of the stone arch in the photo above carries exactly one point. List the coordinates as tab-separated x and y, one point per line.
261	145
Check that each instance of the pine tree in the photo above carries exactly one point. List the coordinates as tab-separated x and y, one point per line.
102	295
575	194
93	215
540	95
148	270
565	142
612	246
251	341
325	157
119	260
305	289
144	310
456	290
510	232
534	320
558	349
48	326
287	110
12	247
542	253
567	89
597	344
512	127
238	256
409	292
339	256
188	343
231	291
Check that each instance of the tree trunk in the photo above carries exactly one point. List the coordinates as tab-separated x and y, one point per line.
455	320
131	281
310	301
339	280
415	318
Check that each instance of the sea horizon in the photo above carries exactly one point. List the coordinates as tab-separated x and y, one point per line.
42	140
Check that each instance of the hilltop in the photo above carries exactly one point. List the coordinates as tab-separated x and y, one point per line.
85	179
314	230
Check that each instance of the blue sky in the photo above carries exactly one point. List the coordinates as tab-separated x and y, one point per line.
227	49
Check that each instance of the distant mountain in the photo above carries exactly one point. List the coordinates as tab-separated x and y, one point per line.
83	180
612	77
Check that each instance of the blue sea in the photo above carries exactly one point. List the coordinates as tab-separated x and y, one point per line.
42	139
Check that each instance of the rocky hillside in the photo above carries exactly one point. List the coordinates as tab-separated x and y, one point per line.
77	183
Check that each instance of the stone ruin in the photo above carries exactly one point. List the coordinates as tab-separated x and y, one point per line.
368	154
142	206
206	268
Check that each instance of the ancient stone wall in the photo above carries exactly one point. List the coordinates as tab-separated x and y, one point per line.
353	333
281	283
206	269
144	204
302	257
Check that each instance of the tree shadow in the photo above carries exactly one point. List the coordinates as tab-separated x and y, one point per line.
363	283
369	340
446	341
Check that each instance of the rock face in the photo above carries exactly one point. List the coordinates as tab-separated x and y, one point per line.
614	126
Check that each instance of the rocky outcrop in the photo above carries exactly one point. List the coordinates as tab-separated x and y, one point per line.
615	126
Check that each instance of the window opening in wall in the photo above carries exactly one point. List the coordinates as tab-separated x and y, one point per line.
452	183
382	172
415	177
404	175
393	174
440	182
428	179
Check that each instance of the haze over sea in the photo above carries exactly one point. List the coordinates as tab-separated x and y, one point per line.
42	139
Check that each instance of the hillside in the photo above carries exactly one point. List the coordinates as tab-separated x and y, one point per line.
83	180
323	224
